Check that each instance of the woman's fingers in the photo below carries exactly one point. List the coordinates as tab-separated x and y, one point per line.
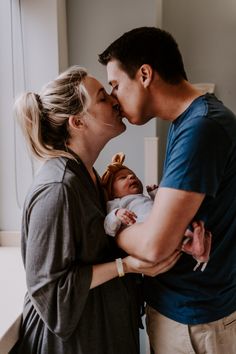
165	265
135	265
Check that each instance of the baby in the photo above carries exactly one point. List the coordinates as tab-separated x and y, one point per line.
127	204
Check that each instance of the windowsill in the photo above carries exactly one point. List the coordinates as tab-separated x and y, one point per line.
9	238
13	289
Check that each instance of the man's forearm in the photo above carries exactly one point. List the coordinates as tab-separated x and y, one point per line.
139	241
158	237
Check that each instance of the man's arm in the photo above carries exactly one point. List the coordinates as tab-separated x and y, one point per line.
162	232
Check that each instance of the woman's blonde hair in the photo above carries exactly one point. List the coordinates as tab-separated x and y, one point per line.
44	117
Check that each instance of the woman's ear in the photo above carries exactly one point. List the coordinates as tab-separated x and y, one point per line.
75	122
145	74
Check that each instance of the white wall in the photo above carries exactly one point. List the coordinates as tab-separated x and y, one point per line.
92	26
206	33
39	22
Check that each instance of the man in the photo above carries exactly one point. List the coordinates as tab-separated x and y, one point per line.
187	311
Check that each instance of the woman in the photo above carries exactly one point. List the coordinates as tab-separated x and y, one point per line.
78	301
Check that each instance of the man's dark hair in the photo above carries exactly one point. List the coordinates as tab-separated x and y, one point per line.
147	45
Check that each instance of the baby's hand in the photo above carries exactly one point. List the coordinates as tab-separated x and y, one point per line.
151	187
126	216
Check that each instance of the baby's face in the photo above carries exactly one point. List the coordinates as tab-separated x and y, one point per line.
126	182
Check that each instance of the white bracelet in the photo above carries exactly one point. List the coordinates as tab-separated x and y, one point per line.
120	268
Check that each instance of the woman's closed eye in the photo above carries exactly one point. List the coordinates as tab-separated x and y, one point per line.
103	97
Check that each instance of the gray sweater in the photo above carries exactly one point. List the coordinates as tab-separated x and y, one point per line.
62	237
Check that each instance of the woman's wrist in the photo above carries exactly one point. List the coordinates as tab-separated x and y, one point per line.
126	265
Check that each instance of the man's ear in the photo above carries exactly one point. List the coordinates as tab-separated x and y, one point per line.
75	122
145	74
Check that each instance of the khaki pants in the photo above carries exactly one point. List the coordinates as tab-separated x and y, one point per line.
169	337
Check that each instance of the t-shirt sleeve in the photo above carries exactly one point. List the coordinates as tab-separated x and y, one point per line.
58	284
197	157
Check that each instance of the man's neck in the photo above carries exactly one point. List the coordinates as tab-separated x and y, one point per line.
170	101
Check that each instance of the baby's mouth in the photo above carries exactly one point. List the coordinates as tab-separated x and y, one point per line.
134	184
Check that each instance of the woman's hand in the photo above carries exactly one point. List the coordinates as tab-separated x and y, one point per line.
135	265
107	271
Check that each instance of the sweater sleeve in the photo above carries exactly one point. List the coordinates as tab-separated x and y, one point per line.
112	223
58	283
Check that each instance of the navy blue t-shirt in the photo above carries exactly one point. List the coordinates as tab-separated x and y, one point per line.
201	157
